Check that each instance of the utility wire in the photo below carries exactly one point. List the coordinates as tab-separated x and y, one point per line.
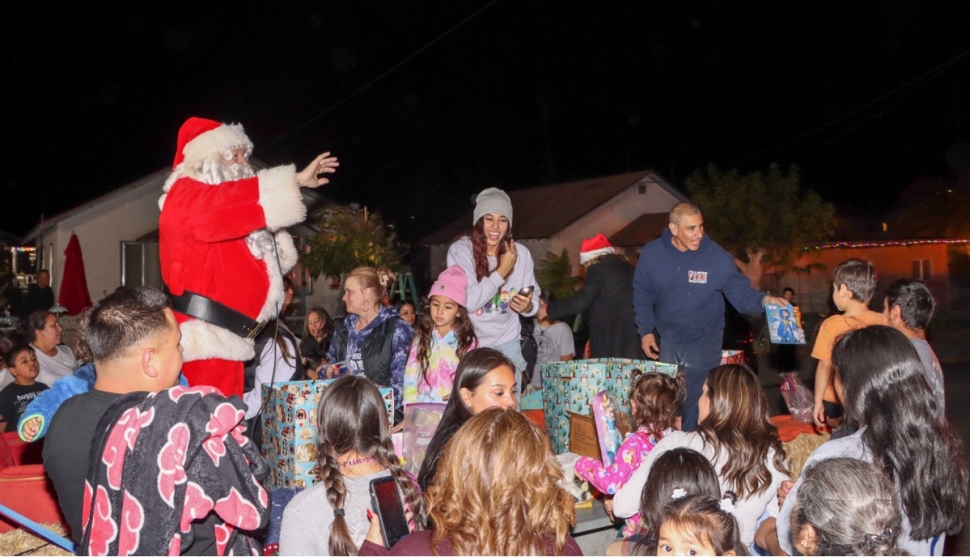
385	74
928	75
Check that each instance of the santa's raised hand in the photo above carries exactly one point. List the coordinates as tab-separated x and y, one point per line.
311	177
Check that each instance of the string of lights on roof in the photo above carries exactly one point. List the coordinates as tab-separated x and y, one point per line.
886	244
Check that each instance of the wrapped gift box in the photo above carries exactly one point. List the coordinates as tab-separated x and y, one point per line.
732	357
420	422
569	386
531	401
290	430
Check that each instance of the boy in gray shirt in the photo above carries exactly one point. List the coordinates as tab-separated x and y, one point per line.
909	309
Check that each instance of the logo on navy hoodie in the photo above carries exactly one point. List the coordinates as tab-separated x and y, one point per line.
699	277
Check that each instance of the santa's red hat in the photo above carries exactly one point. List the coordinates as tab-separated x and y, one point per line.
199	138
591	248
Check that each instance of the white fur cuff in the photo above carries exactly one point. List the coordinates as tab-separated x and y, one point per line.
205	341
286	250
279	196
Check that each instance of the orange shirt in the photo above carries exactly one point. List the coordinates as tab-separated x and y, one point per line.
830	332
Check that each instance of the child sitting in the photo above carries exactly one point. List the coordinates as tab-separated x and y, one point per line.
654	401
23	367
700	525
853	283
444	334
677	473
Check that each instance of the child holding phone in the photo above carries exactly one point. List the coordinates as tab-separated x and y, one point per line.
444	334
354	447
498	271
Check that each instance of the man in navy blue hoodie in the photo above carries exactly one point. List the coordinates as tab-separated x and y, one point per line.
677	295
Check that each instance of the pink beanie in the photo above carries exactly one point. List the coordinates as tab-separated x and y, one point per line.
451	283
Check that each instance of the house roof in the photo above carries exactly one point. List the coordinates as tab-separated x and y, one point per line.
47	224
311	198
645	228
542	211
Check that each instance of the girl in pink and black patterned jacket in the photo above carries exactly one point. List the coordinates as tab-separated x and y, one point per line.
654	401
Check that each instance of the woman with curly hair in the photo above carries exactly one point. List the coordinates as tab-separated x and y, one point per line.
736	435
881	379
497	492
354	447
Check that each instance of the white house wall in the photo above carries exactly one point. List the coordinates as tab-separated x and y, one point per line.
100	230
612	216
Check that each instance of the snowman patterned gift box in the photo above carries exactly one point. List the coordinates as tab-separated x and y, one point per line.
569	387
290	430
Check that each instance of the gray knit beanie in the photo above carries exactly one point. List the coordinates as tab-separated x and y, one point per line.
492	200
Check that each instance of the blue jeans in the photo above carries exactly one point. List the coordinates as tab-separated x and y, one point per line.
513	351
695	358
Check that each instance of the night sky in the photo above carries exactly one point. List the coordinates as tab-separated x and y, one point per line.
522	93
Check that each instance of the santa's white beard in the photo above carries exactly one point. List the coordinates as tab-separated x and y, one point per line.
215	171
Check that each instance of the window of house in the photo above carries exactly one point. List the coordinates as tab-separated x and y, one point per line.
140	265
921	269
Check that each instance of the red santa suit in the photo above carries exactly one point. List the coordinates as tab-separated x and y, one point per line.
223	241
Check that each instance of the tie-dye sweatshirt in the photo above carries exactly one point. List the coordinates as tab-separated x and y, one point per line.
442	363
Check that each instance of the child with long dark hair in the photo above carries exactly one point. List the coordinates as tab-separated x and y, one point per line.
354	447
444	334
700	525
677	473
654	402
485	378
880	376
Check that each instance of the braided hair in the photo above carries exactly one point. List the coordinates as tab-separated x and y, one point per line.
352	417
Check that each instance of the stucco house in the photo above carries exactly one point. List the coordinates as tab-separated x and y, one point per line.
556	216
112	231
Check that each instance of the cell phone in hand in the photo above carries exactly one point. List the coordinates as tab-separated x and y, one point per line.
386	501
526	291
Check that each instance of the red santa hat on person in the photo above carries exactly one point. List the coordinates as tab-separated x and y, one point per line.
199	138
591	248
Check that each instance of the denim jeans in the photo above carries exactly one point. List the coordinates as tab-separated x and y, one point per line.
695	358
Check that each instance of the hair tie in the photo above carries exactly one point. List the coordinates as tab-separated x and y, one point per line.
339	512
879	539
727	505
679	493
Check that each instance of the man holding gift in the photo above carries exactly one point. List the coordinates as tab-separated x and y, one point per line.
223	245
679	288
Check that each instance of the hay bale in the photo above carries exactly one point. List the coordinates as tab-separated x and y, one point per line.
23	542
798	449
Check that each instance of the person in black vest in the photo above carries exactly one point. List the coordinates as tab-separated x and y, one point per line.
373	340
607	294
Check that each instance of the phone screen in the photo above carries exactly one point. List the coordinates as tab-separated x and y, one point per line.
390	510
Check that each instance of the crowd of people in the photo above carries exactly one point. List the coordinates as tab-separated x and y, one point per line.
146	459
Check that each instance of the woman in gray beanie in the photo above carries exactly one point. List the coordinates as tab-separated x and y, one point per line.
497	268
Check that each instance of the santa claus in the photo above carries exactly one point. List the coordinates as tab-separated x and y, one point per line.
224	248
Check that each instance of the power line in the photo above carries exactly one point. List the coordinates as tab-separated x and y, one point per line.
385	74
928	75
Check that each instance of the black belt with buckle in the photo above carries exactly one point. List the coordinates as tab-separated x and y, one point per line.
211	311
